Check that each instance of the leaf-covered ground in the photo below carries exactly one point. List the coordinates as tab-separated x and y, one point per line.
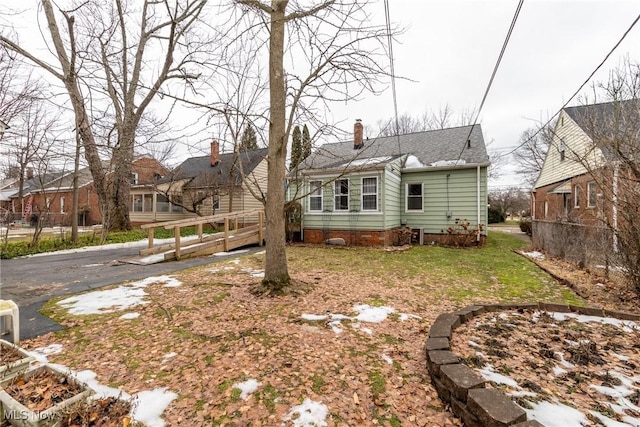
210	337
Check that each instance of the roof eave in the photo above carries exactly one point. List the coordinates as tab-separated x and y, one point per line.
437	168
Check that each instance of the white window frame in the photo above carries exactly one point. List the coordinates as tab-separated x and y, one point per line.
134	178
592	185
561	150
215	201
406	197
61	204
315	193
336	186
363	194
576	195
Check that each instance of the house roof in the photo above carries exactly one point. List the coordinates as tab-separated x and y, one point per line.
613	126
201	174
435	148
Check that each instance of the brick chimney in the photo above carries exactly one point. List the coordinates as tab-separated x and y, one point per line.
215	152
357	135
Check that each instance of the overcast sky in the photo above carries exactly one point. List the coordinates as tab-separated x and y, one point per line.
450	48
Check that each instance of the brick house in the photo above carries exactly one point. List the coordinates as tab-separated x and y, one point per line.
583	180
52	199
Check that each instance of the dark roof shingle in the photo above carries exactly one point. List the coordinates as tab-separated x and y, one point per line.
429	147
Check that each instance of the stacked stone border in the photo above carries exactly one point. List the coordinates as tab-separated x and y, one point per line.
462	388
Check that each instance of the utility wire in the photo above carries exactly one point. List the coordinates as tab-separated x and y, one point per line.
393	73
576	92
493	75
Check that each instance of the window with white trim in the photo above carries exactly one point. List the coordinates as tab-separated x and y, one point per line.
576	196
315	196
414	197
370	194
561	149
133	178
592	194
61	204
341	195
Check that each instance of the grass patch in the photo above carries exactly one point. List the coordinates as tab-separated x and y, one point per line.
61	241
490	273
377	383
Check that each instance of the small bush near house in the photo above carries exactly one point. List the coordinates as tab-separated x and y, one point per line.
461	234
525	226
495	216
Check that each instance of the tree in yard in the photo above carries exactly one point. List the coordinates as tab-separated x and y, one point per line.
614	164
249	139
338	46
306	143
443	118
113	61
512	201
296	147
531	152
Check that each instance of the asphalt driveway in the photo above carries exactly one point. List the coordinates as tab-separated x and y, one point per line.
32	281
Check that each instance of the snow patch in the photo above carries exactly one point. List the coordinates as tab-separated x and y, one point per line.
129	316
247	387
151	404
625	325
366	313
313	317
168	356
387	359
41	353
413	162
533	254
116	299
238	252
441	163
489	374
556	415
308	414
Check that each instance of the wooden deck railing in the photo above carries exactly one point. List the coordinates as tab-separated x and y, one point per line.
222	241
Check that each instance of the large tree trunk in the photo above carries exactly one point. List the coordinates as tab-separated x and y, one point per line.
121	182
276	271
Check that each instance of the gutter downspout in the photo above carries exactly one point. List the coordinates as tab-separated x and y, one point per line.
478	198
616	170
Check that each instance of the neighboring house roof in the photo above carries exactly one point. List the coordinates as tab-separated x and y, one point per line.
200	173
435	148
591	134
612	126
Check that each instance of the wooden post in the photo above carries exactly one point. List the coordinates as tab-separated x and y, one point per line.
200	231
150	237
176	230
226	234
260	225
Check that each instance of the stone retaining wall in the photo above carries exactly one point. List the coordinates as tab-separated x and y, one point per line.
464	389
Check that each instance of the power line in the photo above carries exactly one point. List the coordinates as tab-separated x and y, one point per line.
577	91
493	74
393	73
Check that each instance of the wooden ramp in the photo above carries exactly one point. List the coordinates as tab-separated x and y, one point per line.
242	228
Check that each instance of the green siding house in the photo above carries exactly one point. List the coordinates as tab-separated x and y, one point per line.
373	191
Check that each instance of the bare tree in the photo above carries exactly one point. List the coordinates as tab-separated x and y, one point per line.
336	46
32	133
113	61
442	118
532	149
614	164
512	201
